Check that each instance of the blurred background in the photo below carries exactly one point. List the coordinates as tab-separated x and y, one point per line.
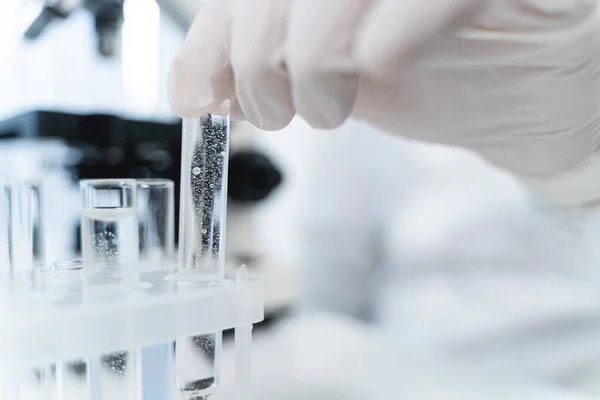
382	258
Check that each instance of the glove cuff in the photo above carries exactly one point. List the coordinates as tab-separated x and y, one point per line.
575	187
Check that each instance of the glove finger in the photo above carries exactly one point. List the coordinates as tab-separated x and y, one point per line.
395	29
200	78
262	86
323	74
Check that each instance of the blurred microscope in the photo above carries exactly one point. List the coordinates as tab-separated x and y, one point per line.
108	17
62	146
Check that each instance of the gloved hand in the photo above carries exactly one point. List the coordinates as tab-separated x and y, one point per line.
517	81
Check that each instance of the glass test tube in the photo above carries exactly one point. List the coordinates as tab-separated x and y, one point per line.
23	212
26	240
156	218
11	384
5	230
203	200
71	376
109	232
204	163
109	243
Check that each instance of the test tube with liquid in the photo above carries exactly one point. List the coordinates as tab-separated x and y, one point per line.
156	218
203	199
109	251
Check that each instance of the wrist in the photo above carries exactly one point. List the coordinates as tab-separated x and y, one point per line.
576	187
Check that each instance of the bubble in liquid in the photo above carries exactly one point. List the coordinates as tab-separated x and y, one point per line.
196	171
116	363
204	230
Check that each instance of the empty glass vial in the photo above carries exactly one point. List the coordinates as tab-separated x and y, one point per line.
71	376
26	232
156	218
5	231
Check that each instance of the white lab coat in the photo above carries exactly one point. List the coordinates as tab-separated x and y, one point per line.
376	207
326	356
440	249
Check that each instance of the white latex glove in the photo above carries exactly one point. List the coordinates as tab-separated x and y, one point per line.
517	81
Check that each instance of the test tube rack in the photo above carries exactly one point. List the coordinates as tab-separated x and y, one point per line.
45	320
111	312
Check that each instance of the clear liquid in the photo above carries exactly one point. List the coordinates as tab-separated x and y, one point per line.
115	376
109	241
197	360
